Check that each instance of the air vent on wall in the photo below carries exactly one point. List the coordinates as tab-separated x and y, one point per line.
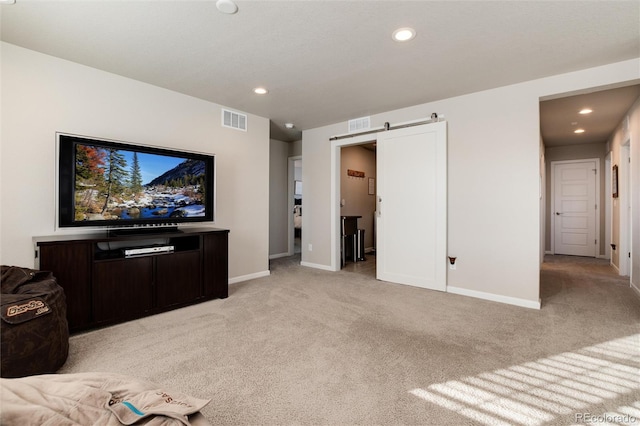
235	120
359	124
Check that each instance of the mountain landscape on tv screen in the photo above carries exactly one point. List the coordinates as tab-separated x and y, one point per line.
109	185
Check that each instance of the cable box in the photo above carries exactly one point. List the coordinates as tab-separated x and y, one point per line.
141	251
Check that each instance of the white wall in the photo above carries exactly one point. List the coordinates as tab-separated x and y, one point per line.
634	129
543	199
43	95
619	137
295	148
493	188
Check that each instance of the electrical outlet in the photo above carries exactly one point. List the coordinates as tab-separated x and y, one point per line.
452	263
310	247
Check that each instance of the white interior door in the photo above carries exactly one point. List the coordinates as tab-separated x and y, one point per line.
411	245
575	208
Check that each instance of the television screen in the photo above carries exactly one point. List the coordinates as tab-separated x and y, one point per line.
114	184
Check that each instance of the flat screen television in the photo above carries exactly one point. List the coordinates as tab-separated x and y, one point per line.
120	185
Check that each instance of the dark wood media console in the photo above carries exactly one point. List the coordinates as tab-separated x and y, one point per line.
103	286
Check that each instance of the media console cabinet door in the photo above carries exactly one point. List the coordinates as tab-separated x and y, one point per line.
178	278
216	265
71	265
122	289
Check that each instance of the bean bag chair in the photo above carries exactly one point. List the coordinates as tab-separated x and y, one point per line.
34	330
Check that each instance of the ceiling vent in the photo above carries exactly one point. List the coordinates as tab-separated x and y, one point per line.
359	124
235	120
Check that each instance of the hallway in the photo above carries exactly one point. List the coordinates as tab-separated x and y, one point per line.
592	280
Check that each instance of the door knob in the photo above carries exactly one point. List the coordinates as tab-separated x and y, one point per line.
558	213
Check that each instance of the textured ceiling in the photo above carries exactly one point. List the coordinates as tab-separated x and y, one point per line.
327	61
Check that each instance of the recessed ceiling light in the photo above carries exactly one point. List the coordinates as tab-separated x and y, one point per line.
404	34
586	111
227	6
260	91
289	125
578	131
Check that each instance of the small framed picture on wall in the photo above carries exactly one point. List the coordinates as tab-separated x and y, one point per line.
614	181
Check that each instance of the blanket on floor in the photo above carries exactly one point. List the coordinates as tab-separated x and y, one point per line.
95	399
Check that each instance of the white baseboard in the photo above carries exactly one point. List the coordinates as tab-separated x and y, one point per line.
317	266
598	256
635	289
495	297
249	277
615	267
279	255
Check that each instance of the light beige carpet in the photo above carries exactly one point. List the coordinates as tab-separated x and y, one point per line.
311	347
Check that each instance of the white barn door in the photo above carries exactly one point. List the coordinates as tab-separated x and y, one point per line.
411	245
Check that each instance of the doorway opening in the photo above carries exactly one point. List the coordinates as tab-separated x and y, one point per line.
336	181
358	204
295	205
560	119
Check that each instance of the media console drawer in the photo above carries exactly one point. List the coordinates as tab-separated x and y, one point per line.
103	286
